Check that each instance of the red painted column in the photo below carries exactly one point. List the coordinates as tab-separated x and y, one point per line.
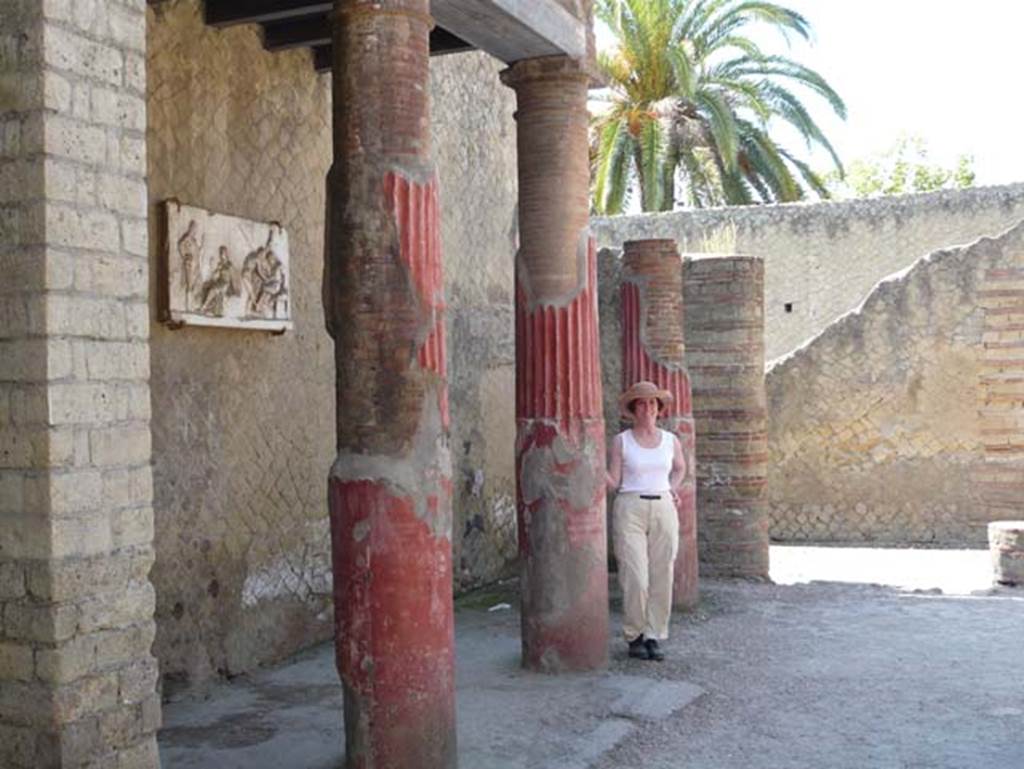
390	486
560	455
653	350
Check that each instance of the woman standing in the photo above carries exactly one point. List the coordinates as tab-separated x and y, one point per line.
645	468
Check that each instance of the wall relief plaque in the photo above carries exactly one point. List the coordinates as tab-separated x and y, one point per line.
225	271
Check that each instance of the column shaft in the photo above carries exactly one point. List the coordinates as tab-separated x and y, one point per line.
390	487
724	330
560	453
653	350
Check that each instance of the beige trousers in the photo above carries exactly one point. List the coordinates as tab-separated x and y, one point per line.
646	540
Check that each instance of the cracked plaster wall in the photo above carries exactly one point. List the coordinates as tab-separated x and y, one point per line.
243	426
877	427
807	246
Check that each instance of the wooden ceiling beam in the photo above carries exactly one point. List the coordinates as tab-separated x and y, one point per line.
224	13
295	33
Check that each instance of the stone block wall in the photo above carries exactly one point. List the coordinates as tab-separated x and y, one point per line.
77	680
902	422
821	259
243	431
243	424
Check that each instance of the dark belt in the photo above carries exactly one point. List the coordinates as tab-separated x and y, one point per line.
650	496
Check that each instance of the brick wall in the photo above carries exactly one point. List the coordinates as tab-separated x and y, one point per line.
821	259
76	676
901	423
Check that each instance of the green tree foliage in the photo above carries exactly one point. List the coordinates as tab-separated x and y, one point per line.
903	168
690	101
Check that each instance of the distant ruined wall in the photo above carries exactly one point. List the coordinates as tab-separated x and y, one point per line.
243	425
903	422
821	259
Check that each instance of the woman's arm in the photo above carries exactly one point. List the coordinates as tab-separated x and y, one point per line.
678	474
613	476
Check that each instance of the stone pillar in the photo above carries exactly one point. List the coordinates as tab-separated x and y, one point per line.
724	330
652	350
1006	544
390	486
77	680
560	453
1001	394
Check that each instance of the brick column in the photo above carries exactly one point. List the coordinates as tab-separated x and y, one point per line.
724	330
559	423
1001	394
390	487
652	350
77	681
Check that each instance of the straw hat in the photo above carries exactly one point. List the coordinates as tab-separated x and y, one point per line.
643	390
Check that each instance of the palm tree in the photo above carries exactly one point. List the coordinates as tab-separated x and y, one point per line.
691	100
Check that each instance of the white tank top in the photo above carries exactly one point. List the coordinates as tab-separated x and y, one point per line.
646	471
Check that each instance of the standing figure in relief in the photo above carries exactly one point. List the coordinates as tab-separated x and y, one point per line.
252	280
222	282
273	288
190	249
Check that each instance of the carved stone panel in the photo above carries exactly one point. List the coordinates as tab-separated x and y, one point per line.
225	271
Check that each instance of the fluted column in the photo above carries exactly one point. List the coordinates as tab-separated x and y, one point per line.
560	454
653	350
390	486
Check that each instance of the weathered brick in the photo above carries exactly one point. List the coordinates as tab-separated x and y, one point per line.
73	579
80	741
123	194
135	236
85	535
24	360
84	697
15	661
23	447
132	155
60	270
12	580
131	527
127	28
128	488
93	230
106	360
17	747
136	320
143	755
67	662
138	680
25	704
128	445
43	623
122	726
114	648
86	403
109	611
135	73
73	139
24	536
75	491
79	55
58	359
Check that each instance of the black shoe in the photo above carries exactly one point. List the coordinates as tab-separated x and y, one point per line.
637	649
653	651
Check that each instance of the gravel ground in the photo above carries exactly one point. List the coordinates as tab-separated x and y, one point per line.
921	670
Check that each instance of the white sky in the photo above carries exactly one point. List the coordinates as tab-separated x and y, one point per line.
946	70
